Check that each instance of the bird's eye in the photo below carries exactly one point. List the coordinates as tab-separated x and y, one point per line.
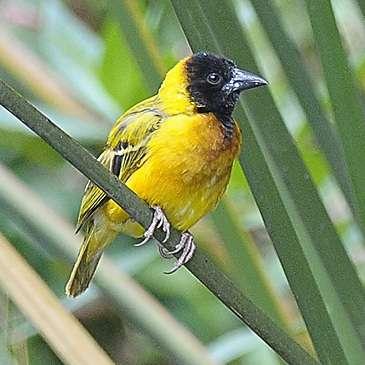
214	78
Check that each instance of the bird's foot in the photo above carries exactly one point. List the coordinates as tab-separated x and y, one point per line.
186	245
168	254
159	220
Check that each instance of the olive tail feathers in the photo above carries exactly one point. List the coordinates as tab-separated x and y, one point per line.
84	268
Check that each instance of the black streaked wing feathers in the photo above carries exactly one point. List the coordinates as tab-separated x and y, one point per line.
124	154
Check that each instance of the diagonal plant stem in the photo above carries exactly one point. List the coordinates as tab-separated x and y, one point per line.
248	267
200	265
361	4
126	295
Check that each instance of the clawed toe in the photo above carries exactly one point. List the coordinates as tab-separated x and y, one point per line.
159	220
164	252
168	254
187	246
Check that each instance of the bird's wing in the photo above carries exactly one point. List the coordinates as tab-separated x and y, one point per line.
125	151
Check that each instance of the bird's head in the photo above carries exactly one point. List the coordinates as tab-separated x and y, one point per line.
215	83
205	83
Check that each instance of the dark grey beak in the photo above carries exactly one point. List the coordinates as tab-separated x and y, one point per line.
244	80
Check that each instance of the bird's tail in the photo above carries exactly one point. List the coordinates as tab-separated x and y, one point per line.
87	261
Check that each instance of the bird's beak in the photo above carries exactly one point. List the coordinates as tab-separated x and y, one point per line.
244	80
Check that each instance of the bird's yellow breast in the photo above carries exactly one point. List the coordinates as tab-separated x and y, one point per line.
186	169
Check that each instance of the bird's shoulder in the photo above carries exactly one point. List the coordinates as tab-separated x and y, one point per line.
126	149
137	123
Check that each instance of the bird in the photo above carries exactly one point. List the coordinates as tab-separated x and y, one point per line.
175	150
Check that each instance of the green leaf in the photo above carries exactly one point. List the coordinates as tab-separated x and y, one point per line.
344	97
303	86
313	257
140	40
312	156
119	72
247	266
361	4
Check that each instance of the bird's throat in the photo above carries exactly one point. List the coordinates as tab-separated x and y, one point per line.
228	124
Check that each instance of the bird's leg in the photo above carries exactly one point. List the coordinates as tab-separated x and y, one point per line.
159	220
186	245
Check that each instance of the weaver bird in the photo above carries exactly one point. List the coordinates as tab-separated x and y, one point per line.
175	150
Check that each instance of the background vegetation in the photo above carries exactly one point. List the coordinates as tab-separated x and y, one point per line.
84	62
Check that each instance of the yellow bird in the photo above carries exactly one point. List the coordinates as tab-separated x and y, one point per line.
175	150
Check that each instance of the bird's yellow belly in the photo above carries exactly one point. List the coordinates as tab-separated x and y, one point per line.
185	173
